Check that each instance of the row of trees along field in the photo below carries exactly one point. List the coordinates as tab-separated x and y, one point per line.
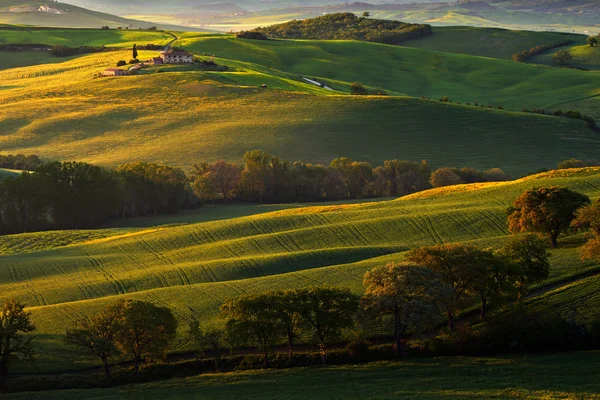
74	195
403	299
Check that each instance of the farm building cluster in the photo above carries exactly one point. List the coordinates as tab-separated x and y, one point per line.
169	56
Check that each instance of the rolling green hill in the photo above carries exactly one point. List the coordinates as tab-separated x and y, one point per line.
488	42
82	37
192	268
60	111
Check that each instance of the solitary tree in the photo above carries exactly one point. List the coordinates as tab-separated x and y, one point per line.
366	14
327	311
547	210
98	334
146	330
458	266
15	343
528	253
135	52
407	293
254	317
592	41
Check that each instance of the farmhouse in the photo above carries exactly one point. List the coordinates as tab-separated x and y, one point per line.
51	10
113	72
176	57
156	61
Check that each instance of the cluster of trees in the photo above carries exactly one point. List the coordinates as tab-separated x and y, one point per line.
562	56
347	26
73	195
251	35
137	329
592	40
534	51
406	297
267	178
20	161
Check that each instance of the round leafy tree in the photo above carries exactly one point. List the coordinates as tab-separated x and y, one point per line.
546	210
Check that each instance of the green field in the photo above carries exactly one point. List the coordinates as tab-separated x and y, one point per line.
82	37
487	42
565	376
192	267
59	111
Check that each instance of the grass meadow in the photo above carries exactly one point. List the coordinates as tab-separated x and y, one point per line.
192	268
564	376
83	37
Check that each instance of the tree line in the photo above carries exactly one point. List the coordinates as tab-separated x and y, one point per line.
76	195
431	284
534	51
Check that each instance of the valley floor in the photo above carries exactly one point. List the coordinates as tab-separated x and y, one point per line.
565	376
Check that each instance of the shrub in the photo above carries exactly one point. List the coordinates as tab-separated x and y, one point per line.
120	63
358	349
445	99
357	89
572	163
251	35
134	61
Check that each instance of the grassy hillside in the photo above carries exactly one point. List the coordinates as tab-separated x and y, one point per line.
192	268
8	172
487	42
59	111
552	376
81	37
25	12
410	71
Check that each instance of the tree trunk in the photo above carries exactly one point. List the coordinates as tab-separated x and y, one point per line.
450	317
323	353
483	307
106	367
266	350
397	335
136	364
291	345
554	240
